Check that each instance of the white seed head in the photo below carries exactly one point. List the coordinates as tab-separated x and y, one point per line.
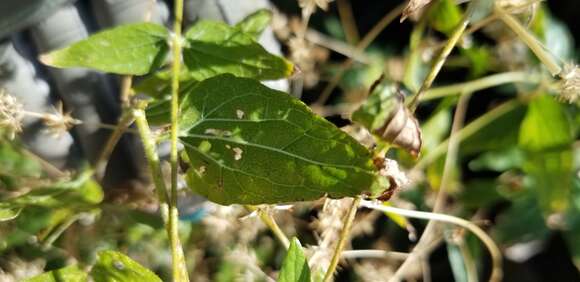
570	91
59	122
391	170
309	6
11	114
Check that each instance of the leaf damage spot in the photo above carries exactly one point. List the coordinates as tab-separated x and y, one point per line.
218	132
240	114
237	153
118	265
201	170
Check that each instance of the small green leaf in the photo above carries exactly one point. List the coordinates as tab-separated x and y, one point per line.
215	48
8	213
377	109
112	266
522	222
248	144
295	267
546	136
444	16
135	49
497	135
67	274
255	23
546	126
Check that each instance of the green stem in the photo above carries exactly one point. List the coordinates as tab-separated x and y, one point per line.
348	221
479	84
168	211
436	68
538	48
268	219
151	155
179	267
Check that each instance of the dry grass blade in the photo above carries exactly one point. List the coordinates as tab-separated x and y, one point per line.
412	7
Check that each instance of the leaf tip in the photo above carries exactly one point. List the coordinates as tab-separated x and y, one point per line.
46	59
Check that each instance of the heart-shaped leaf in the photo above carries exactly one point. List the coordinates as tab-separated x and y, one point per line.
248	144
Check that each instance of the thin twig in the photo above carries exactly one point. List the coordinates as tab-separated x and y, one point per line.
379	254
103	159
348	21
536	46
348	220
439	62
441	198
337	46
480	83
268	219
179	265
494	251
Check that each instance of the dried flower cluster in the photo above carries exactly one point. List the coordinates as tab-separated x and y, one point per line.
309	6
570	83
59	122
328	225
305	55
11	114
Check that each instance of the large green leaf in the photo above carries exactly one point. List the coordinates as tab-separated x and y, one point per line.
214	48
255	23
67	274
546	136
248	144
112	266
135	49
295	267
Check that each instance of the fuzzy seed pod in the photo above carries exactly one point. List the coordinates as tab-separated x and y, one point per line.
385	115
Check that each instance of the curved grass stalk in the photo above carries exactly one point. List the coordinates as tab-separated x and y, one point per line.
493	249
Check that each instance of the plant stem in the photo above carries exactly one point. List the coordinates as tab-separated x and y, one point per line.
179	266
354	254
479	84
537	48
348	220
268	219
496	257
151	156
436	67
430	231
101	163
168	211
